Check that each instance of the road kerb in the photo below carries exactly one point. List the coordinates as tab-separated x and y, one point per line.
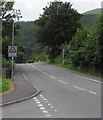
25	98
22	99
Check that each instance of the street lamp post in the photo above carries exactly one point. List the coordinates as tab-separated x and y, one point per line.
17	17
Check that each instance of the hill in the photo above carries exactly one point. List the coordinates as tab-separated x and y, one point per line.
90	17
97	11
26	38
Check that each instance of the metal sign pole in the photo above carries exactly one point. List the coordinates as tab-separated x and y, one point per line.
12	45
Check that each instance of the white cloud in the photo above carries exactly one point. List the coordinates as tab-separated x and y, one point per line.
31	9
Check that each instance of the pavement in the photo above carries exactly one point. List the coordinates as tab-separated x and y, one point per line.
23	89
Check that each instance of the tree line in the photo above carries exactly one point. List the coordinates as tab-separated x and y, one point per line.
59	27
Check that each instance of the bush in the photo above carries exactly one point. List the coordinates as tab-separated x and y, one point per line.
30	61
7	67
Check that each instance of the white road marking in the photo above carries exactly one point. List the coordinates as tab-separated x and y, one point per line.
41	95
24	77
79	88
48	115
63	82
40	105
45	111
52	107
42	108
60	81
39	69
45	73
52	77
55	110
87	78
34	66
93	92
49	104
85	90
35	98
45	99
38	102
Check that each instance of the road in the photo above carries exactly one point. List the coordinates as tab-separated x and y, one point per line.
64	94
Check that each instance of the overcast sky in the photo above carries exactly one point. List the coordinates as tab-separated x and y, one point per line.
31	9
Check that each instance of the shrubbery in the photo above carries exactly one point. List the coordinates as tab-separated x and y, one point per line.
6	68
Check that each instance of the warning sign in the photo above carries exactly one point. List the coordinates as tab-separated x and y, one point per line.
12	51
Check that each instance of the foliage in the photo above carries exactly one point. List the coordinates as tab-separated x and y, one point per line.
56	25
85	49
21	57
6	66
27	39
8	15
30	61
89	19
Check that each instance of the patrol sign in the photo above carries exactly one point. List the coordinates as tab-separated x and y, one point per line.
12	51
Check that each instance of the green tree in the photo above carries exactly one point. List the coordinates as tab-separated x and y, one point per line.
86	47
94	45
57	25
77	47
8	15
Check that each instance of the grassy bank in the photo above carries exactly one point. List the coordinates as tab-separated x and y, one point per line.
4	85
86	71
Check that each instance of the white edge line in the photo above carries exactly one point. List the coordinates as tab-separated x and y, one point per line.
87	78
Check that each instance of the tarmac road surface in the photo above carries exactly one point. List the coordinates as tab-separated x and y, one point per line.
64	94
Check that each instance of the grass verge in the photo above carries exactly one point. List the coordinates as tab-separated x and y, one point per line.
4	85
86	71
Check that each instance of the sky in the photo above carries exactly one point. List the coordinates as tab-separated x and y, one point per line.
31	9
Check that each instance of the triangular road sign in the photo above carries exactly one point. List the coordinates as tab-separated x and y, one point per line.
12	50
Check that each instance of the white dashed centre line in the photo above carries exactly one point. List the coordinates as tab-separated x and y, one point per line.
85	90
79	88
39	69
60	81
93	92
52	77
45	73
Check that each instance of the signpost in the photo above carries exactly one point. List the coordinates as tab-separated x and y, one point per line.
12	52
